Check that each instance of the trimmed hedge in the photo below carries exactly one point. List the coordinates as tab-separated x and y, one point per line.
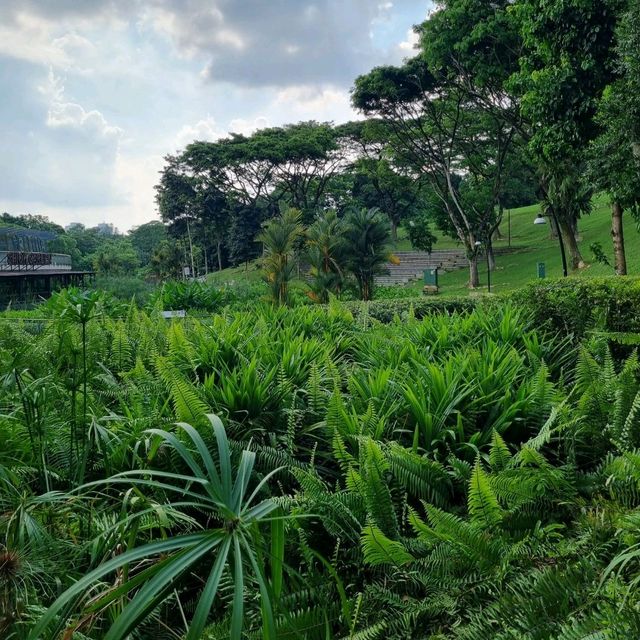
386	310
577	305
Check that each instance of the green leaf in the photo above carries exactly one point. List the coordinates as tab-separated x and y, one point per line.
483	505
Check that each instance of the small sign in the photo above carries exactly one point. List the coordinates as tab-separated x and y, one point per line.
174	314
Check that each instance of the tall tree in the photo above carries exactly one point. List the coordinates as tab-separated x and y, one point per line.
615	153
366	237
115	257
435	128
291	164
450	113
241	241
568	63
146	237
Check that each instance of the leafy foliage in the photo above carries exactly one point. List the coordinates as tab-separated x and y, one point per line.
423	475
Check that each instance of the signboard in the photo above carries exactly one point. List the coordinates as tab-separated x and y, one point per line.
174	314
28	259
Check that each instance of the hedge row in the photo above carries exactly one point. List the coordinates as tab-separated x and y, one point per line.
577	305
568	305
387	310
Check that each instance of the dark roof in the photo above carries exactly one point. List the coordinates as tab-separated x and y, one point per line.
44	272
20	232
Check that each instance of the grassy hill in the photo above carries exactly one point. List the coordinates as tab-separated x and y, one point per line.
530	243
533	244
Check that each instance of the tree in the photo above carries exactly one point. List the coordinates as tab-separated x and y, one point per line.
291	164
115	257
568	64
66	243
443	136
241	240
378	183
326	253
146	238
378	178
615	153
31	221
87	242
279	237
366	237
167	260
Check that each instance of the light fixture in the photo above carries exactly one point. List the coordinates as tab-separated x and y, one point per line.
540	220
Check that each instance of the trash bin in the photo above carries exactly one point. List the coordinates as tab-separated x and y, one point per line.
430	281
431	277
541	270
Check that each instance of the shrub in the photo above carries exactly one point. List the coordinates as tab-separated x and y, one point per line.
575	306
193	295
126	287
386	310
397	292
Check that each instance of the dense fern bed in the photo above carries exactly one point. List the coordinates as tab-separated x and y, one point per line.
462	475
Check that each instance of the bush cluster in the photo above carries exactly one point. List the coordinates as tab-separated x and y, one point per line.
403	308
578	305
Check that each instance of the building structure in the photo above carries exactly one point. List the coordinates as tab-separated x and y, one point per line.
29	272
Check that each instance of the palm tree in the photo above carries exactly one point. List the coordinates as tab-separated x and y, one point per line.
326	254
366	237
279	239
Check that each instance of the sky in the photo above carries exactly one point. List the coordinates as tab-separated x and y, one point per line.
94	93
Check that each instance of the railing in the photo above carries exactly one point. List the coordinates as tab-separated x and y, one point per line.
34	261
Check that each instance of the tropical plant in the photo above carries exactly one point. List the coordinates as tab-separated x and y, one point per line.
366	238
279	238
149	573
326	253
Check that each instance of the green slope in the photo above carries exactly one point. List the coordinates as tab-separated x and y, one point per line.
530	243
533	243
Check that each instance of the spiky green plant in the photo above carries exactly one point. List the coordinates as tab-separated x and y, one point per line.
147	574
279	237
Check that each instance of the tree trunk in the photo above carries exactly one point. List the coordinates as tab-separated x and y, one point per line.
219	252
569	236
617	234
497	234
574	229
394	230
474	278
491	256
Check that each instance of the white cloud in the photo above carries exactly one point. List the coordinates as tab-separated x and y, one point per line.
90	147
315	103
62	113
205	129
247	127
408	46
29	38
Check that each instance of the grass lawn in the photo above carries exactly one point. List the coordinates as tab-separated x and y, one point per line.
249	273
531	244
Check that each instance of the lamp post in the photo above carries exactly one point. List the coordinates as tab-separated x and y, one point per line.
542	220
479	244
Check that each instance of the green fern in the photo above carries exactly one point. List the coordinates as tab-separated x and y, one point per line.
483	505
378	549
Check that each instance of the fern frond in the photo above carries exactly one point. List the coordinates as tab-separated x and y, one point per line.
482	503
